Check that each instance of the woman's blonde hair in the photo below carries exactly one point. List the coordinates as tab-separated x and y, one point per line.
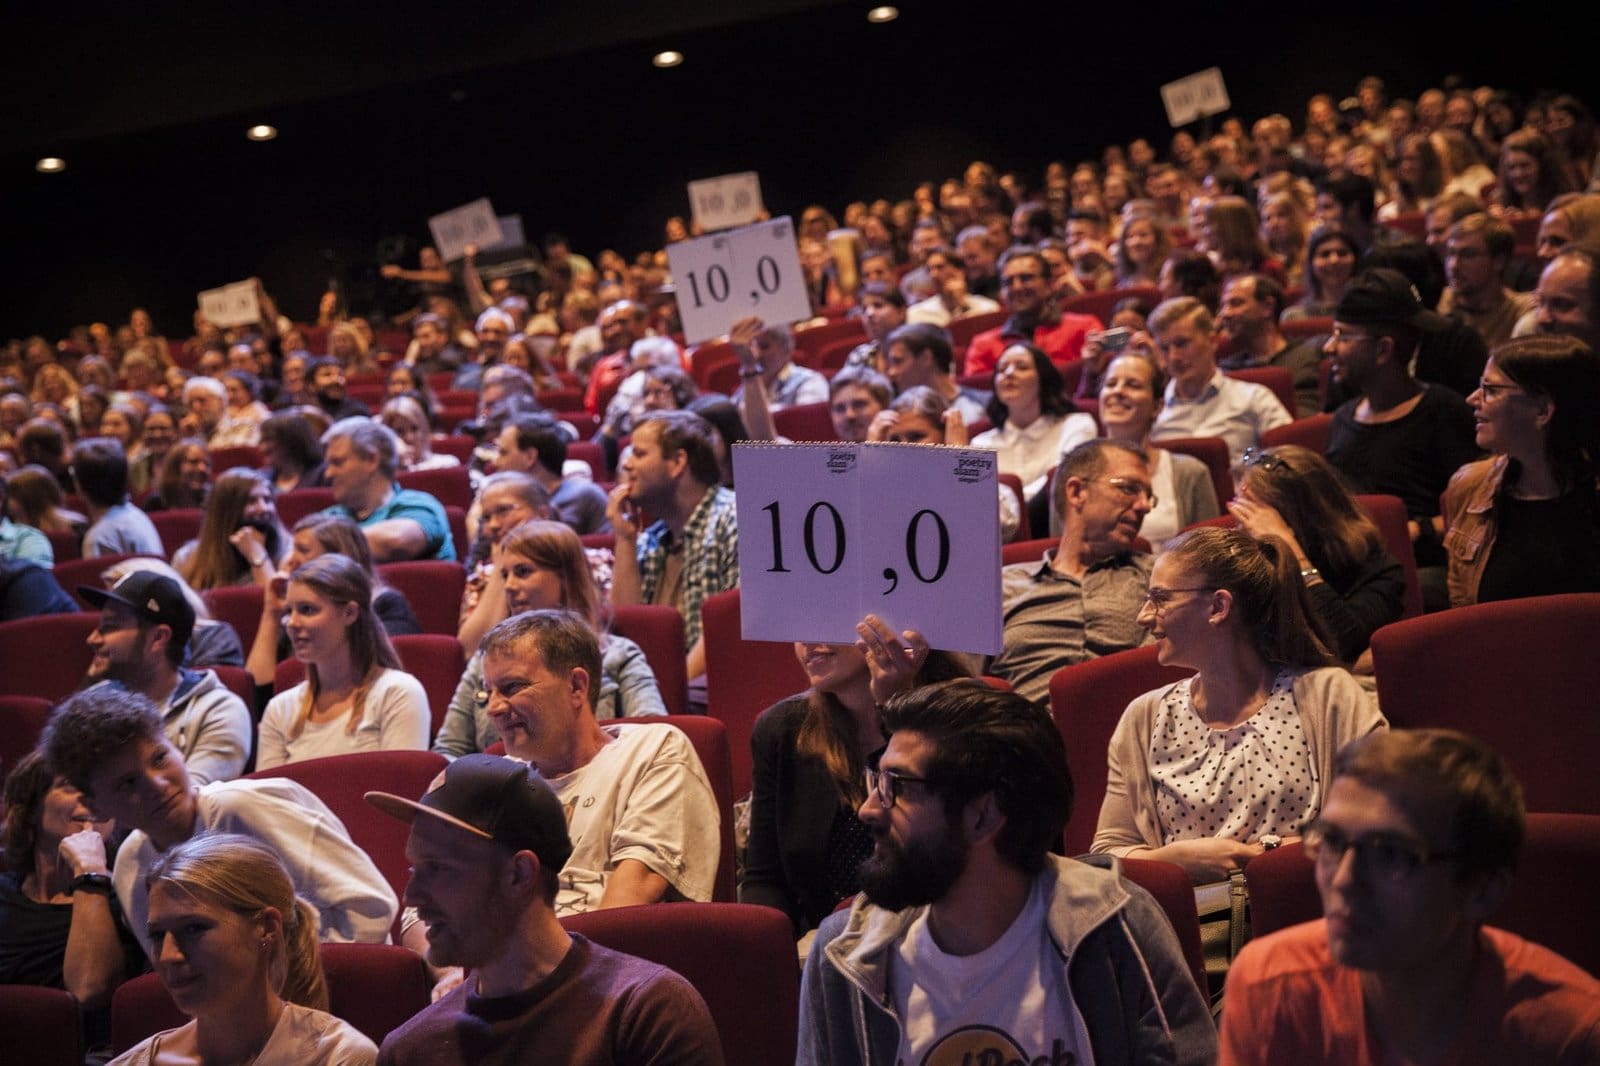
246	877
340	580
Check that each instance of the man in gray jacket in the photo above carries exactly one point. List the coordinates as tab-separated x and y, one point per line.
970	940
145	624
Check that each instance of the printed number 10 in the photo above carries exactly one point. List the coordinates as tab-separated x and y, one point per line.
810	539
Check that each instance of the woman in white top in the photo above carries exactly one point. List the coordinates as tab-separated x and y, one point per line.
237	950
354	697
1131	393
1034	420
1204	772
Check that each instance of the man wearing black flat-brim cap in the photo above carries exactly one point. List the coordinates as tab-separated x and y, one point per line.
1398	436
145	624
487	841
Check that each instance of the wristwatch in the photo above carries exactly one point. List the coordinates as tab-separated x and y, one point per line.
1268	841
90	883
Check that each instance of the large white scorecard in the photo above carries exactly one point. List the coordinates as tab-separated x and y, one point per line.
728	276
829	533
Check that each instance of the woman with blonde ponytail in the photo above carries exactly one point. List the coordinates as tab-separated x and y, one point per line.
237	950
1210	771
354	697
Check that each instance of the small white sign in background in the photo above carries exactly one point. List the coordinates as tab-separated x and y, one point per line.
1195	97
474	223
231	305
725	202
728	276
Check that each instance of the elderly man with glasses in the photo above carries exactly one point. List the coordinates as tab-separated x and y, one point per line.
1413	849
971	943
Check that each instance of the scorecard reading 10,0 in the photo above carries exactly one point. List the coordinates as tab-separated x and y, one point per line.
727	276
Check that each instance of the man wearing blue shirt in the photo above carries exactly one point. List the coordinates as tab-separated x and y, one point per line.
360	456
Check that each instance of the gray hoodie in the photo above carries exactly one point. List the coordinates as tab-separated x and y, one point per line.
1126	972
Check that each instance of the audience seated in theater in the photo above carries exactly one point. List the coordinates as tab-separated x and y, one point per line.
1248	321
1331	255
809	752
920	416
185	479
950	299
1354	585
213	642
293	452
362	458
240	536
856	395
770	380
1532	173
1035	422
147	625
116	526
487	843
621	324
28	589
1569	295
327	382
355	696
1415	846
314	536
691	551
1083	599
628	403
1526	520
921	354
643	819
1283	230
541	565
966	926
1187	272
244	413
205	399
1477	252
1397	435
236	947
1201	401
1034	317
1349	201
59	920
34	498
408	421
20	542
110	745
1144	247
1235	610
533	444
1132	392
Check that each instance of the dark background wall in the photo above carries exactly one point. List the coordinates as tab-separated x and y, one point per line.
390	113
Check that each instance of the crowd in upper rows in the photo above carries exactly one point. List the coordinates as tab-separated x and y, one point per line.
1444	315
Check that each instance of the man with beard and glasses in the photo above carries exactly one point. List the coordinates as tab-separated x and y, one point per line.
145	625
970	940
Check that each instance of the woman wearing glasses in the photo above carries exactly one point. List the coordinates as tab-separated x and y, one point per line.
1354	585
1204	771
810	751
1525	522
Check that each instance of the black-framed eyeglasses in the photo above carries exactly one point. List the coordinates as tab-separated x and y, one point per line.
1491	391
1387	856
1129	488
885	785
1254	456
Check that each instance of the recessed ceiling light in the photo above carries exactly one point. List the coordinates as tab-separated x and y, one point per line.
883	14
50	165
261	133
667	59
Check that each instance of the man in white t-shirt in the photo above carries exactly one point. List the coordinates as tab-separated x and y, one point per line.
970	942
640	809
110	744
